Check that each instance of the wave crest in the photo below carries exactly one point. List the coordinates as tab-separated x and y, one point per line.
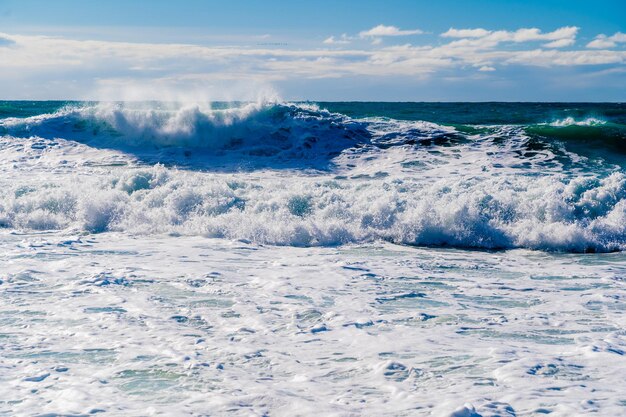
262	127
578	215
570	121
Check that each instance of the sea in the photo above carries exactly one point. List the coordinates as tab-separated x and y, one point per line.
279	258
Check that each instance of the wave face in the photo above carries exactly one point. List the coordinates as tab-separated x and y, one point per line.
257	129
552	178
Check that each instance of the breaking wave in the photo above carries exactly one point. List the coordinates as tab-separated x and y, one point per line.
258	129
409	182
579	215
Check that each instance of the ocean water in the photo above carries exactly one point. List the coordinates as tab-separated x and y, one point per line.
284	259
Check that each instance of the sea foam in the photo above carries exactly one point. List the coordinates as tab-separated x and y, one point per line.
541	213
408	182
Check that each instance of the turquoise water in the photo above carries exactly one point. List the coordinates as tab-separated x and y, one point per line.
445	113
483	113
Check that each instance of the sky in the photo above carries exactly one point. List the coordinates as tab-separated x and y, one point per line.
341	50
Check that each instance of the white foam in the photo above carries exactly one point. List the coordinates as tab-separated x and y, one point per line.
190	326
113	299
549	213
570	121
388	181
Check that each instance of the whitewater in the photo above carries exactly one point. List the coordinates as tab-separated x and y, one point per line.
282	259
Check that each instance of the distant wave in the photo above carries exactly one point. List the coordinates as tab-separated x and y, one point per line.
570	121
585	135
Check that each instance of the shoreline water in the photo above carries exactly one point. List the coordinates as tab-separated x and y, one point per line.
118	323
285	259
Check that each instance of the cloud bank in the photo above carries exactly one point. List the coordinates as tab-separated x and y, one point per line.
46	62
480	37
5	41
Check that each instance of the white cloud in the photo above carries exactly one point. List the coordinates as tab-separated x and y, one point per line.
603	41
465	33
619	37
566	32
534	34
543	58
480	37
486	68
343	40
382	30
559	43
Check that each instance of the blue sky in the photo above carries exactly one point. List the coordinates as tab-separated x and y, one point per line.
322	50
